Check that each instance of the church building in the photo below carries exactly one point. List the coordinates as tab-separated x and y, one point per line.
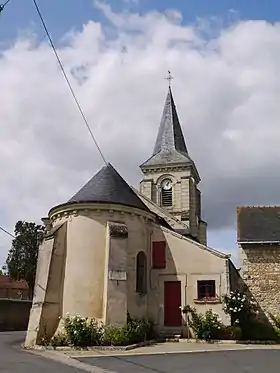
111	249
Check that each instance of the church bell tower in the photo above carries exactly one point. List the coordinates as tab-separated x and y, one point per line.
170	175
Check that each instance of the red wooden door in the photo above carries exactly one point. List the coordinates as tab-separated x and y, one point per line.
172	303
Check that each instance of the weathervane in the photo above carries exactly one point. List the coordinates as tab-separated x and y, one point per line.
169	78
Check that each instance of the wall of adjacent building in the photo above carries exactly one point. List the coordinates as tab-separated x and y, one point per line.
187	262
14	314
260	270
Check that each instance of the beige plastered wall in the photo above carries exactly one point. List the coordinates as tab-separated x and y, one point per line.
90	254
187	262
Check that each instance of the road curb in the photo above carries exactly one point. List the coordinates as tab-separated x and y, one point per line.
91	348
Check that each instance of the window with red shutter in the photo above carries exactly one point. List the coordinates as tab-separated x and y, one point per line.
158	255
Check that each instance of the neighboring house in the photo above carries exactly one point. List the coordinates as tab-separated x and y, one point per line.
258	235
110	250
11	289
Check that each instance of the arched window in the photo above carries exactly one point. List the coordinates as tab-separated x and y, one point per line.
166	193
141	273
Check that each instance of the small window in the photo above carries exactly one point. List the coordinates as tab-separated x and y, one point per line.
158	255
166	198
141	273
206	290
166	193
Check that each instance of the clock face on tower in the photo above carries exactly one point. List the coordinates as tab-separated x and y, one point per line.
167	184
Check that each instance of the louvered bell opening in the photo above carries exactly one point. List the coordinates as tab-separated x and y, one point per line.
166	197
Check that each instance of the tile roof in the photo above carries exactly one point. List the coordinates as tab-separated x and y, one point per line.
107	186
7	283
258	224
170	146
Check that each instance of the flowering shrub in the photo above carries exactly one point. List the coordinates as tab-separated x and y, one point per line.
204	326
239	306
82	332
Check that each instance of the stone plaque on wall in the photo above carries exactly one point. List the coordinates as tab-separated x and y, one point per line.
117	275
118	230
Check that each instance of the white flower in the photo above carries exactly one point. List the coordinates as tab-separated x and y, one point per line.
231	309
67	314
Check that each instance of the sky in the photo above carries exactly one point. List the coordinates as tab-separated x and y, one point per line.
225	57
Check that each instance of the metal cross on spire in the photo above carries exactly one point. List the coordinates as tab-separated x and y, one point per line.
169	78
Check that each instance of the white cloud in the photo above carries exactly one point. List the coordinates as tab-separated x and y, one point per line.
226	89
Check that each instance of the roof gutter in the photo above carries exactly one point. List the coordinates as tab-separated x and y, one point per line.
260	242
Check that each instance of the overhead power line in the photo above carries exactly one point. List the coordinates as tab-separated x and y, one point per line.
2	6
8	233
67	80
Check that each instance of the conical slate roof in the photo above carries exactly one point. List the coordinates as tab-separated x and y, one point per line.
170	146
107	186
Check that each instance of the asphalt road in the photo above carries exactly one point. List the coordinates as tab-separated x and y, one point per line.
246	361
14	360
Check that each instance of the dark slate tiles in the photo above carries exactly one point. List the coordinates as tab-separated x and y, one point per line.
170	146
107	186
258	223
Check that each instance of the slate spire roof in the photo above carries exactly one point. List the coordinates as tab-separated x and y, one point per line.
107	186
170	146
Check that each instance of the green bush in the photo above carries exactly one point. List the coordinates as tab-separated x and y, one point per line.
277	322
82	332
141	330
230	333
59	339
259	331
205	326
134	331
277	331
115	336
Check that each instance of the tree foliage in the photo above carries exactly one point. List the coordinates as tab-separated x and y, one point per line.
22	258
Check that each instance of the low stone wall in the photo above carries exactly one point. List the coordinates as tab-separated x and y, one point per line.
14	314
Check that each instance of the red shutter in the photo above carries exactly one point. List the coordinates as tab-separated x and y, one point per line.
158	255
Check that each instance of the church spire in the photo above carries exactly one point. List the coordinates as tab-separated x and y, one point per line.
170	135
170	146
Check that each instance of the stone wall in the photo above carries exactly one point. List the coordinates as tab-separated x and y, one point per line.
14	314
260	270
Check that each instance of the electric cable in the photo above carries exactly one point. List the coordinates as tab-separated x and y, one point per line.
67	80
2	6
